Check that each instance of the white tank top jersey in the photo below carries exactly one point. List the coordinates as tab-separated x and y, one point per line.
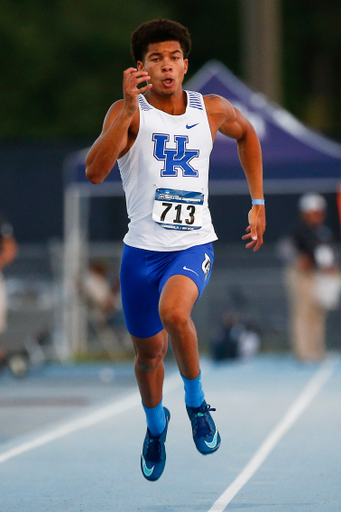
165	178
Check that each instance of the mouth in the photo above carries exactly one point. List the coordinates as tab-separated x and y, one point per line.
168	82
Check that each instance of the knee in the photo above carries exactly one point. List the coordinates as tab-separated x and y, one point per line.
148	361
174	320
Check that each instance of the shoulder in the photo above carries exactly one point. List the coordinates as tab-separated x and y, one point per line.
112	114
114	111
220	113
218	106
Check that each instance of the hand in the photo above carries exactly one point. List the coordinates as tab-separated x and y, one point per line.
256	227
131	79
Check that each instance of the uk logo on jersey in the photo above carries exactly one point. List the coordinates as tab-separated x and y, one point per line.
175	159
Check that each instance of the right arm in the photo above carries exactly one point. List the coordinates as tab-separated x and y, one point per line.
119	128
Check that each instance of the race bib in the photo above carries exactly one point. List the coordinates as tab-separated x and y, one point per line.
178	209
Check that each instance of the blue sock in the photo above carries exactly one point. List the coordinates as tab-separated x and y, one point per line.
194	395
156	419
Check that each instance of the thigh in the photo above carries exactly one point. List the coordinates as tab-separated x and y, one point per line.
140	295
178	297
194	263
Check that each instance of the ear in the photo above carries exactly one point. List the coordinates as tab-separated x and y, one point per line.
185	65
140	65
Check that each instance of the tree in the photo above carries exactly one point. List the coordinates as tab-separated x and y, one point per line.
62	63
62	60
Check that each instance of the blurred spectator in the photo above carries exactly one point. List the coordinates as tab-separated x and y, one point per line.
102	296
233	339
311	277
8	252
97	291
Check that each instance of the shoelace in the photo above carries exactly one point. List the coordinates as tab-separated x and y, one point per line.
202	425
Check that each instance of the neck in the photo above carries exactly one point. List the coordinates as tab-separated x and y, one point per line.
174	104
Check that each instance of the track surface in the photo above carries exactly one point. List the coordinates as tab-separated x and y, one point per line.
71	439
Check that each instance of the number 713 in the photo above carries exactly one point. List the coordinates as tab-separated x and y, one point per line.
178	209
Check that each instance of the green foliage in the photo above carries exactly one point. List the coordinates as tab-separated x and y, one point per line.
62	60
214	29
312	62
62	63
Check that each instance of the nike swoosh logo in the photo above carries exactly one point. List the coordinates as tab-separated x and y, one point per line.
146	471
190	270
189	126
213	443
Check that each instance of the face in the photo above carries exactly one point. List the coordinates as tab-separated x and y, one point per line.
166	66
314	217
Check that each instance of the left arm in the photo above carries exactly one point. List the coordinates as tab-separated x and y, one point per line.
229	121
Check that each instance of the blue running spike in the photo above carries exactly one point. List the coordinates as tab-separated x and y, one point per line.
153	458
205	434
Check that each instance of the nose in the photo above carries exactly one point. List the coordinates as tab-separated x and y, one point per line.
167	64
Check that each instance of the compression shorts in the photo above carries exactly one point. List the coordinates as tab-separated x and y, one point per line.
144	274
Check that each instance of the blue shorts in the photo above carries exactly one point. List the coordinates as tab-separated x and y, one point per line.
143	276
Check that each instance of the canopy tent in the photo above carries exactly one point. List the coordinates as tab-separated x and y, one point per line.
296	160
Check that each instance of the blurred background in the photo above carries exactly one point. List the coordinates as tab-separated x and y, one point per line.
62	64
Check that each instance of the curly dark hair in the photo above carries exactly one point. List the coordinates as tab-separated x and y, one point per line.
158	31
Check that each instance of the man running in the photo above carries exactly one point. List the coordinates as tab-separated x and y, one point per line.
162	136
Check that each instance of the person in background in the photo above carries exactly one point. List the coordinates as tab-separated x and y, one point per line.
233	339
98	292
8	252
311	278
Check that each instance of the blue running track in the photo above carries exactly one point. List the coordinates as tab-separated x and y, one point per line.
71	439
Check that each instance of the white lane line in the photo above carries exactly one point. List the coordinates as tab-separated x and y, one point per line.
315	384
101	414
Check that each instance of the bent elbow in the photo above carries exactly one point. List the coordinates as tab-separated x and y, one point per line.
97	168
94	177
93	171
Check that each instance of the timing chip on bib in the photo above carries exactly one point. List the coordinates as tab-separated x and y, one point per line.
178	209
